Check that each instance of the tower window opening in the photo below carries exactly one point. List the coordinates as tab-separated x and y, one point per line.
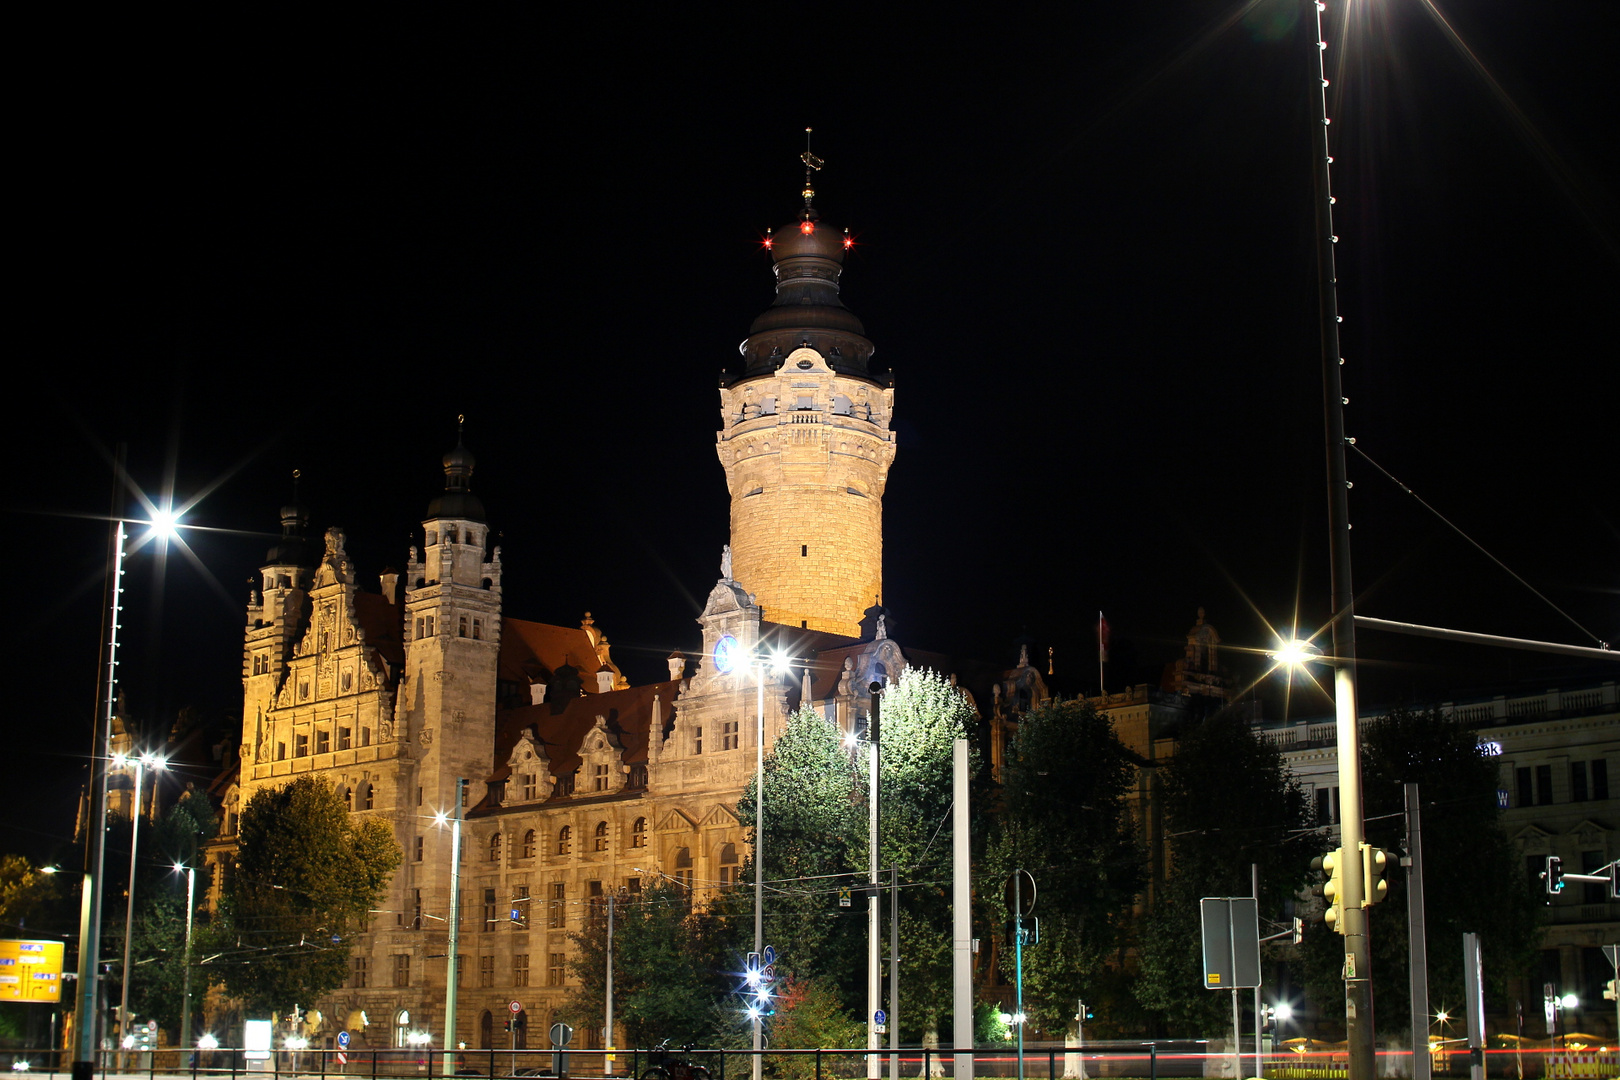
462	629
804	624
804	551
478	629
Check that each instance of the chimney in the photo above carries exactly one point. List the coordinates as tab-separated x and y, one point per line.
390	585
604	679
537	693
677	666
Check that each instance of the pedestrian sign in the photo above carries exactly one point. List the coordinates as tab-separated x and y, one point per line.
880	1017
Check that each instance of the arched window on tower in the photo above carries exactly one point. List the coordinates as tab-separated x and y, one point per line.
601	836
495	848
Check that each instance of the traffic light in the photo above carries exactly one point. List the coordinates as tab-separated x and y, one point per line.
1611	990
1085	1013
1374	861
1331	890
1554	875
1299	930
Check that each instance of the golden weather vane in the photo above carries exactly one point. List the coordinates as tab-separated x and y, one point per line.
812	164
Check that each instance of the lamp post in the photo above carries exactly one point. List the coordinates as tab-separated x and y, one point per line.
145	761
164	522
874	977
452	965
185	978
778	664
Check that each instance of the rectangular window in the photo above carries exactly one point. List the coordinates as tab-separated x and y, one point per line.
365	736
1600	779
461	965
323	742
598	904
430	626
1577	781
1527	793
491	918
420	841
461	630
697	740
419	627
486	971
728	735
599	778
301	745
343	738
418	796
520	907
520	969
478	629
554	917
528	785
361	976
1544	792
633	886
416	908
565	786
554	970
402	970
281	751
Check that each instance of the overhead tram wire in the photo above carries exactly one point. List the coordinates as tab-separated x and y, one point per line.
1477	545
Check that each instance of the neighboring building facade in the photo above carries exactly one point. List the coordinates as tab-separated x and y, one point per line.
580	786
1557	751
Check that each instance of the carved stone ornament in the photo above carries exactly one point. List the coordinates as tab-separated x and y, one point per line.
427	736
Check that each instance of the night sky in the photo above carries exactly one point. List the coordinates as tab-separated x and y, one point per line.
256	240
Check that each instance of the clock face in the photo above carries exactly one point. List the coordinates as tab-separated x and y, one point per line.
725	654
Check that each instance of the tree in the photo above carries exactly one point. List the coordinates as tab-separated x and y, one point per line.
1065	819
667	970
24	892
809	1015
1228	802
1485	889
816	826
308	874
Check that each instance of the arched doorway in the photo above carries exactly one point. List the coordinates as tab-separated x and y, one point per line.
520	1023
486	1030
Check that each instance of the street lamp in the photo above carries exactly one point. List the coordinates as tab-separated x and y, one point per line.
453	969
185	979
141	763
778	663
163	521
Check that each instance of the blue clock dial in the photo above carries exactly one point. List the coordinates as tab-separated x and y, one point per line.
725	654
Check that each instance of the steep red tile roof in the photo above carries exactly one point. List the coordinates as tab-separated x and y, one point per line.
562	725
526	645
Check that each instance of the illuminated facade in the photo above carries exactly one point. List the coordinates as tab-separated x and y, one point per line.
581	786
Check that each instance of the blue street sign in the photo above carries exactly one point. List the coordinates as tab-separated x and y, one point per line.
880	1017
343	1040
336	940
770	955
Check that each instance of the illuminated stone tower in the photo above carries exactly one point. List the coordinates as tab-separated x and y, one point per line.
806	443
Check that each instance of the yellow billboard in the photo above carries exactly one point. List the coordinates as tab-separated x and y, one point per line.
31	971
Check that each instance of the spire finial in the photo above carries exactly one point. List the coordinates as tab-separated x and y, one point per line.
461	421
812	165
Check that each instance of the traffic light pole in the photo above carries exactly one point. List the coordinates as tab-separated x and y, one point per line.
1417	937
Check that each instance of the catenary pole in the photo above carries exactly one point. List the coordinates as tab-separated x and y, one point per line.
452	965
874	985
1357	969
961	915
1417	937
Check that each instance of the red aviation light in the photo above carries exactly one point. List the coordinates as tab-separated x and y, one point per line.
770	239
807	227
849	241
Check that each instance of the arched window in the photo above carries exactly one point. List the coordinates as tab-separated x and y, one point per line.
365	798
601	836
402	1027
565	839
638	833
729	870
528	844
683	868
495	848
348	796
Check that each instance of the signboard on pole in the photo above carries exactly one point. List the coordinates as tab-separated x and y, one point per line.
31	971
1231	928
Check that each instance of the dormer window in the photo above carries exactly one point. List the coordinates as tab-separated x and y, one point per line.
565	784
638	776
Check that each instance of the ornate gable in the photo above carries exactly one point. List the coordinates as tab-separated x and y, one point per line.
677	820
720	817
602	758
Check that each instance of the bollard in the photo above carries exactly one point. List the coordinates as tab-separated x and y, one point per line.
1153	1061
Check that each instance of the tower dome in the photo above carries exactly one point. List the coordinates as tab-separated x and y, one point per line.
458	501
